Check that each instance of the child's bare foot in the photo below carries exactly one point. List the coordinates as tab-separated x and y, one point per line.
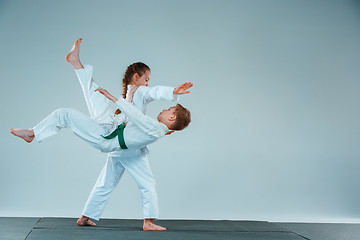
73	56
26	134
85	221
149	225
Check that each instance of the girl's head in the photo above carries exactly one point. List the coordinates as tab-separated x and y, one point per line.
136	74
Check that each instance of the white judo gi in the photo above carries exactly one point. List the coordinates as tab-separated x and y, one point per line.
134	160
140	131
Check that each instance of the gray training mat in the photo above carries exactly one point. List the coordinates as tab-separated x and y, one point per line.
325	231
14	228
109	234
176	225
66	228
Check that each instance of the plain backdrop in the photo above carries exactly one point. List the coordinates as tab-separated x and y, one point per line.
275	126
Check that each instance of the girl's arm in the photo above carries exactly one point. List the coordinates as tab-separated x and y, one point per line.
181	89
163	93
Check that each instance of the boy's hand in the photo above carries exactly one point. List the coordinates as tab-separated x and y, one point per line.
181	89
169	132
106	94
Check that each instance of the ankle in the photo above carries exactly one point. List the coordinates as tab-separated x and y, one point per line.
31	131
77	65
148	220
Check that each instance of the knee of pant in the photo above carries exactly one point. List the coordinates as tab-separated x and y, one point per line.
64	115
146	188
106	185
104	190
63	111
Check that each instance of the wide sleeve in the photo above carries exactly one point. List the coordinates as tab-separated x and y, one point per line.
145	123
164	93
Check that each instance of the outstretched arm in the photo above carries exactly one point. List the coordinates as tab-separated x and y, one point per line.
163	93
181	89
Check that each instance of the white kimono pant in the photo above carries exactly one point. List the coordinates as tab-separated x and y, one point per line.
137	165
80	124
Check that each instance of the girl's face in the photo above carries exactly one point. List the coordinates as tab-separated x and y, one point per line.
143	80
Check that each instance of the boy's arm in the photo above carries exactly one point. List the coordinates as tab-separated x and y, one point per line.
145	123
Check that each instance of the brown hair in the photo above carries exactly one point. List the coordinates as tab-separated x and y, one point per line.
139	68
183	118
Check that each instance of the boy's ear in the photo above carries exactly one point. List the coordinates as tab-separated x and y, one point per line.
172	118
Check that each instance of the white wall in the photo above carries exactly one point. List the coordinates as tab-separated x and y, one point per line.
276	119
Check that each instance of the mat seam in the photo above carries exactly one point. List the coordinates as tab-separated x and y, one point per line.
32	229
302	236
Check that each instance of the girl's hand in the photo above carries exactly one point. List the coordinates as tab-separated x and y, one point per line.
181	89
106	94
130	92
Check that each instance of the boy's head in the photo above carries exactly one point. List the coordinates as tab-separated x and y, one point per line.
175	118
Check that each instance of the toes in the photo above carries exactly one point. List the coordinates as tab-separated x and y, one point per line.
85	223
78	41
90	223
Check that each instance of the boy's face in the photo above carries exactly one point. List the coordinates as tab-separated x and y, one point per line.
143	80
167	114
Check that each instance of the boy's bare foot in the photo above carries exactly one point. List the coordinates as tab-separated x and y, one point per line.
149	225
85	221
73	56
26	134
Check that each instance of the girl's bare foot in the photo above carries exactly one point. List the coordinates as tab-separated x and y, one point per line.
149	225
85	221
26	134
73	56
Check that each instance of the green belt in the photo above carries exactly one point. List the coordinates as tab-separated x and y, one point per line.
120	133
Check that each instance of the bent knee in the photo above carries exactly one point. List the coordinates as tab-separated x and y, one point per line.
149	187
66	112
63	111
